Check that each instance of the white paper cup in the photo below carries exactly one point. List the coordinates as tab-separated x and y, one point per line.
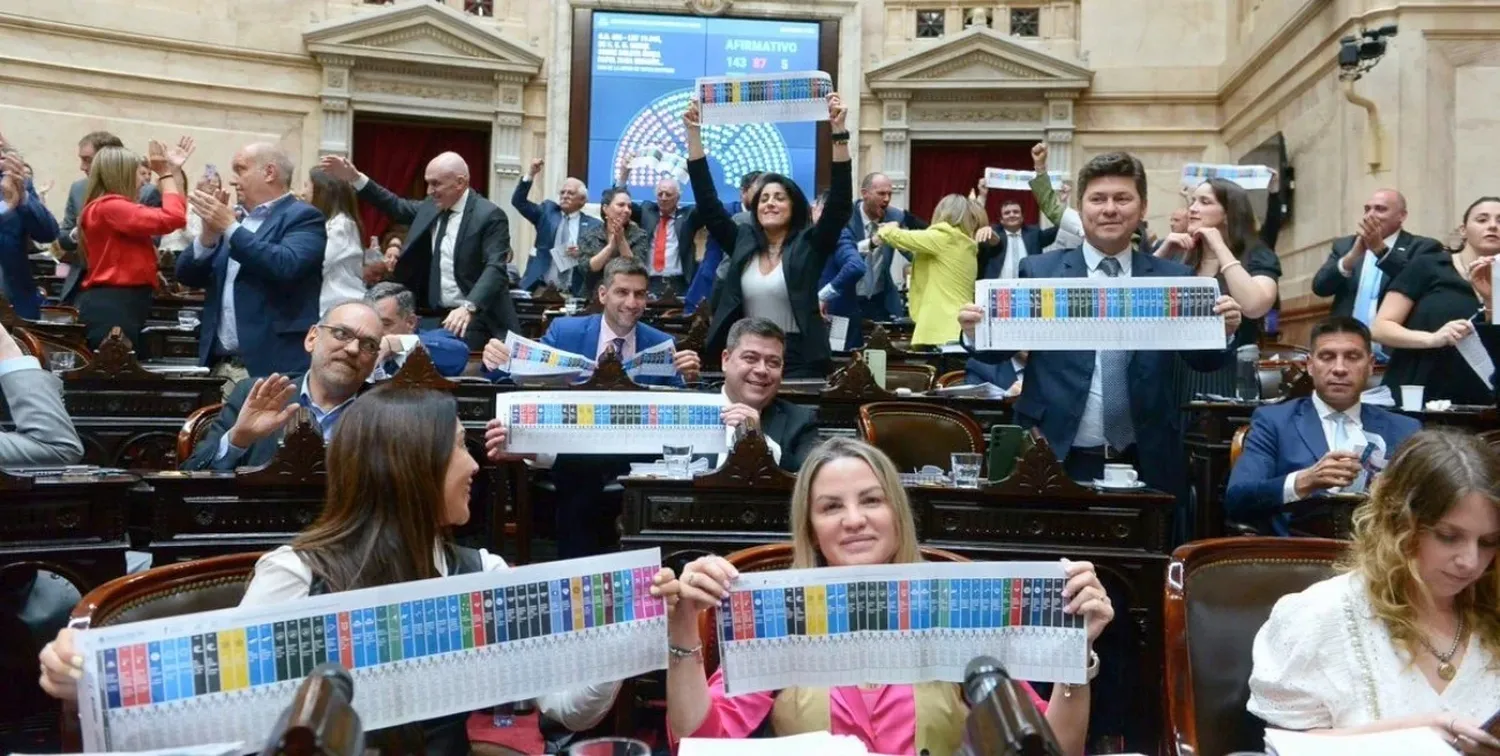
1411	398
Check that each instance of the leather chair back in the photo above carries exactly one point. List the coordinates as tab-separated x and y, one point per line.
194	429
1218	594
952	378
1237	444
918	378
914	434
764	558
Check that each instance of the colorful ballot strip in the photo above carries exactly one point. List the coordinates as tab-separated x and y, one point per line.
920	626
529	357
611	422
1005	178
766	98
1247	176
1099	314
239	667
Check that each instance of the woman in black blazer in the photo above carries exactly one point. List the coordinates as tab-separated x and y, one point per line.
775	260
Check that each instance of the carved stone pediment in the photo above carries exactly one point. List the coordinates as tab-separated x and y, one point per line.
421	33
114	360
1039	473
978	58
299	461
749	464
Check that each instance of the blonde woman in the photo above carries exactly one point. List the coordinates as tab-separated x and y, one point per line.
1409	634
945	266
848	508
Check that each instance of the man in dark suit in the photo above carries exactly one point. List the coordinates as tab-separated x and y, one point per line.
878	297
669	225
587	505
1108	407
752	360
68	232
397	308
263	274
248	430
456	248
1004	245
1361	266
559	225
1305	447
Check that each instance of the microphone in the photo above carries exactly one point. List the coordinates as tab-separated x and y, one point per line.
1002	719
321	720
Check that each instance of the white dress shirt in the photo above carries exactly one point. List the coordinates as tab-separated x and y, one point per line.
1091	425
1354	431
443	249
1015	251
674	266
729	437
281	576
343	264
607	338
567	236
229	327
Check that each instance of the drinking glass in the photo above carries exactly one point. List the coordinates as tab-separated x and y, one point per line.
679	461
609	747
1247	373
187	320
966	469
61	362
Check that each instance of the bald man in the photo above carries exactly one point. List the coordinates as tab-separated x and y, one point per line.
456	251
1361	266
555	259
262	272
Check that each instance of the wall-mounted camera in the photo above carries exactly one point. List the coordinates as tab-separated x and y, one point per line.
1359	53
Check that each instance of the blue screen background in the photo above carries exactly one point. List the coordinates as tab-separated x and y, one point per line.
644	68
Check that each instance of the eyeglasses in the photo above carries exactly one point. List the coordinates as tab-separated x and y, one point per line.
367	344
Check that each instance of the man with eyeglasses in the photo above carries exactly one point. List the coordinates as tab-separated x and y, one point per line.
343	347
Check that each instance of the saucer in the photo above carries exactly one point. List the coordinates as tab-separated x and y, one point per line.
1098	483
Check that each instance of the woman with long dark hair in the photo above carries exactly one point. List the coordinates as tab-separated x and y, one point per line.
776	258
343	257
398	481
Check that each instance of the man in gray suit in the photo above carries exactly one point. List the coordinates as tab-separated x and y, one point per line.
67	237
44	433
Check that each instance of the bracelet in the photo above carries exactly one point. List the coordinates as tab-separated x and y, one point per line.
678	653
839	137
1092	672
1225	269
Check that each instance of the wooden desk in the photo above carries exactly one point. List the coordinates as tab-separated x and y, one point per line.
1036	514
70	524
838	403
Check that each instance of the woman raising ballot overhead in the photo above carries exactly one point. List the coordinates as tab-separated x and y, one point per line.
775	259
848	508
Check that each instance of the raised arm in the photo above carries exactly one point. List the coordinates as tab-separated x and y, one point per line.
1041	186
402	211
715	218
520	198
840	205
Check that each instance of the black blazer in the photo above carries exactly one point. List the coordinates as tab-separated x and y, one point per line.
1329	282
794	428
803	258
258	454
648	216
992	255
479	254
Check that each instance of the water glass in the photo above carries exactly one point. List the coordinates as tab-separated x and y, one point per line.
679	461
187	320
61	362
1247	373
609	747
966	469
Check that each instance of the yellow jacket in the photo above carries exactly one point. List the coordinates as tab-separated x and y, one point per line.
945	264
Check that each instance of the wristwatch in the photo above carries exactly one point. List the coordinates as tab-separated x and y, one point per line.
471	307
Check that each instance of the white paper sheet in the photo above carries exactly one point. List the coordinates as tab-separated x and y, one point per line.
1417	741
1247	176
529	357
611	422
1473	352
655	362
897	625
214	749
1053	314
415	651
764	98
806	744
838	333
658	159
1005	178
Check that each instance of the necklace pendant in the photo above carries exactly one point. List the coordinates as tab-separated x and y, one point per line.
1446	671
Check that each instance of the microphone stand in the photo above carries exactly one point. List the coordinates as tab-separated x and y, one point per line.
321	720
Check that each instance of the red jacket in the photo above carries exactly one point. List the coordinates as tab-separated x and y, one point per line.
117	232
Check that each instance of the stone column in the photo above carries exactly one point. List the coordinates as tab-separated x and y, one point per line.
505	156
337	134
1058	121
894	130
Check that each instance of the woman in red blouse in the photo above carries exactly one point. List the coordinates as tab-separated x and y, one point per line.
116	235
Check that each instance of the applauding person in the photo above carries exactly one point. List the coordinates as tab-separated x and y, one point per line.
617	236
1362	266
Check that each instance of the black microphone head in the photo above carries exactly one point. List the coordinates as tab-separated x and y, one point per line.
981	675
336	676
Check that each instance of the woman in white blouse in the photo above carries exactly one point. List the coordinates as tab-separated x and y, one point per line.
344	256
1409	635
386	517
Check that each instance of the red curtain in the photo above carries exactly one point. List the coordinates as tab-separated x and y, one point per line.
943	168
394	154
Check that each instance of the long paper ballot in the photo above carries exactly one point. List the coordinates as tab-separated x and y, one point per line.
529	357
1005	178
1090	314
658	361
415	650
764	98
611	422
1247	176
898	624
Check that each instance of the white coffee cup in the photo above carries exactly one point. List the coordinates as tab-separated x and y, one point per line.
1120	475
1411	398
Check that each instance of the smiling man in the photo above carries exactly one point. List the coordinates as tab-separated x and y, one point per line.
752	360
1302	448
343	347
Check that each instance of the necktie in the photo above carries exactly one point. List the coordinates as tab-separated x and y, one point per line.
1119	429
435	276
619	347
659	247
870	285
1340	432
1368	295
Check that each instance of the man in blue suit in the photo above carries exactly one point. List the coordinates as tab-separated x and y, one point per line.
840	275
1004	245
263	274
23	220
558	225
397	308
586	509
1306	447
878	297
1108	407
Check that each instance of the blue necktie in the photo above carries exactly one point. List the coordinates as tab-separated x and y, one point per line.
619	345
1119	429
1367	296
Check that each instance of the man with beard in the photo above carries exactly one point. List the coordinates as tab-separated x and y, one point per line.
343	347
